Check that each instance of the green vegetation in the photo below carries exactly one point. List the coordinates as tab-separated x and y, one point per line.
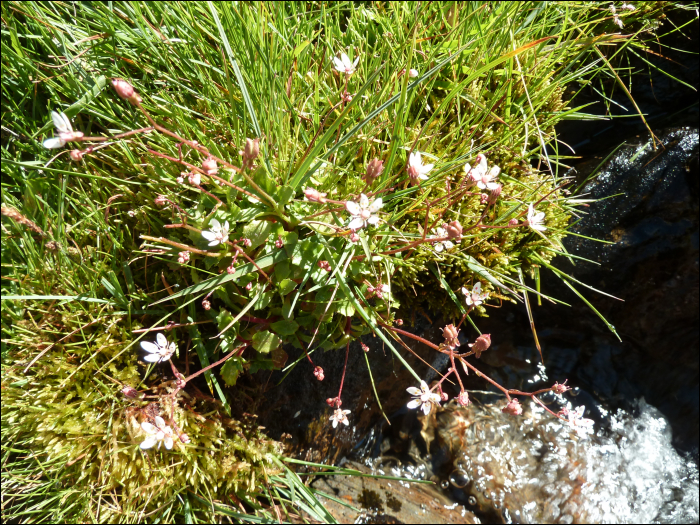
103	245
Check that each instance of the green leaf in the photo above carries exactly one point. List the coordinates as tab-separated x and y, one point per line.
264	342
285	327
345	307
231	370
286	286
263	300
285	195
282	270
257	232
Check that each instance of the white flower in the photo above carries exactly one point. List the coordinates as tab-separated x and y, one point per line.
160	433
159	351
218	234
416	169
344	65
363	213
65	132
629	7
485	183
581	425
425	399
479	170
475	297
438	246
340	416
535	220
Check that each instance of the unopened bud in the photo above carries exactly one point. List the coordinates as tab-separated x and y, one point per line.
451	335
249	286
513	222
206	304
180	179
210	167
482	343
184	438
231	269
443	396
247	242
324	265
161	200
454	230
365	348
354	237
413	73
314	195
125	90
279	242
463	399
334	402
183	257
251	151
374	169
194	178
318	372
495	193
76	155
398	322
484	198
513	408
131	393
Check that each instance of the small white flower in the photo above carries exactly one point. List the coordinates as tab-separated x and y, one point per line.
158	433
344	65
475	297
65	131
628	7
363	213
535	220
485	183
581	425
438	246
479	170
159	351
217	234
425	399
340	416
416	169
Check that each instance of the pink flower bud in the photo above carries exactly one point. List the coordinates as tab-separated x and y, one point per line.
318	372
251	151
249	286
354	237
560	388
125	90
374	169
513	408
76	155
463	399
131	393
513	222
398	322
231	269
279	242
324	265
161	200
413	73
482	343
334	402
184	438
247	242
183	257
210	167
443	396
194	178
206	304
454	230
451	335
365	348
314	195
484	198
180	179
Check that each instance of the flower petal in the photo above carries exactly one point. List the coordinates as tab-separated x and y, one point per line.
425	408
448	245
152	358
376	205
148	428
335	422
214	224
477	288
346	60
226	226
413	391
208	235
414	403
214	242
345	421
53	143
168	442
149	347
352	207
364	201
373	220
148	442
356	223
60	120
160	422
338	64
425	169
161	340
